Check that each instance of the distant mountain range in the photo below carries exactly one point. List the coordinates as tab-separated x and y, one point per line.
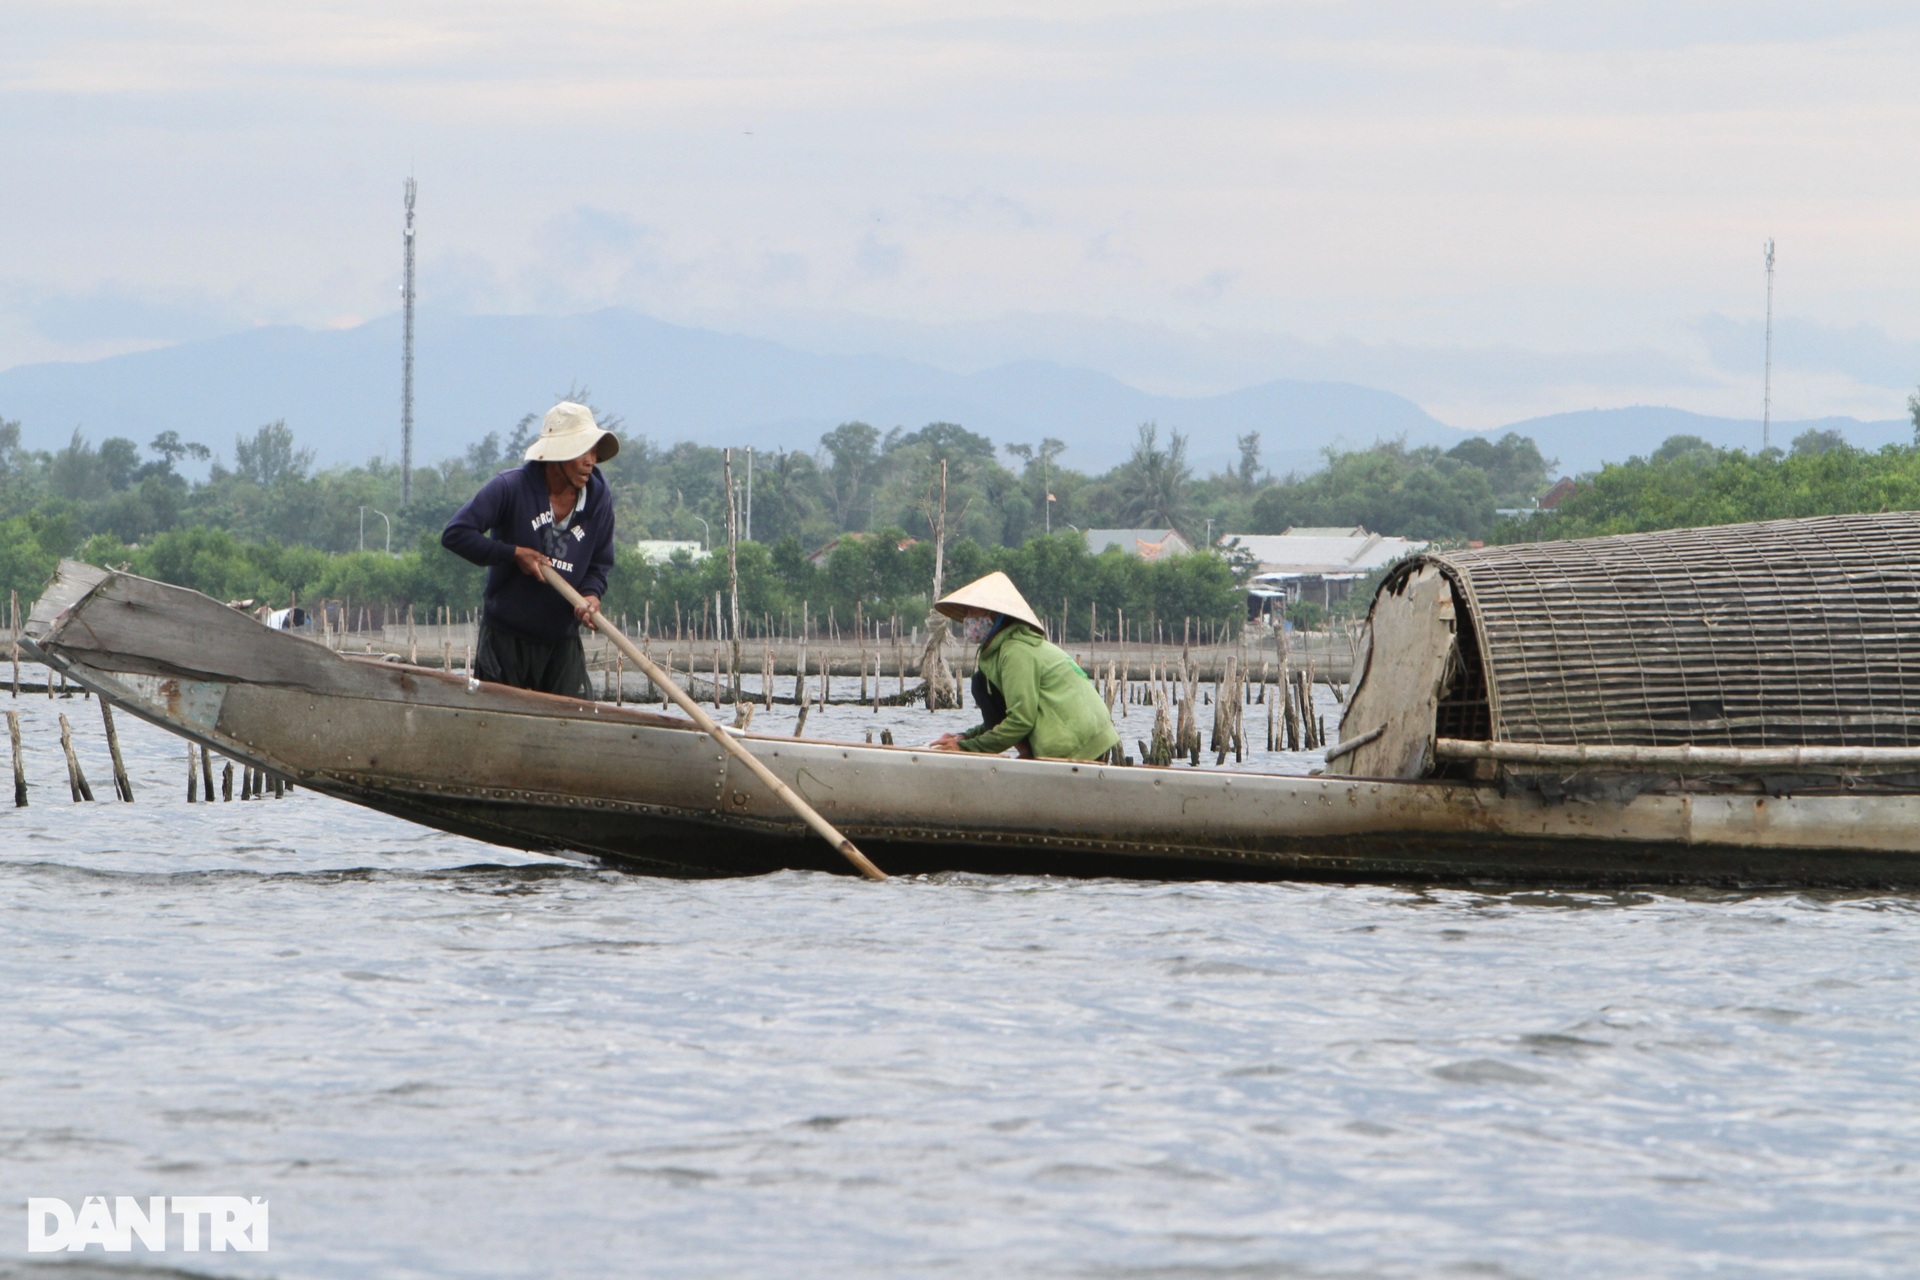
339	391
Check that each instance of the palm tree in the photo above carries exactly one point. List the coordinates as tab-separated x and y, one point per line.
1153	482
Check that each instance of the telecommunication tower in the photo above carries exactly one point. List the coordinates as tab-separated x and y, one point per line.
1766	403
406	361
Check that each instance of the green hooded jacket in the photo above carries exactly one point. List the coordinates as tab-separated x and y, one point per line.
1051	703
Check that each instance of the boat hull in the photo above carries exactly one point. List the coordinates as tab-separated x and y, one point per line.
651	794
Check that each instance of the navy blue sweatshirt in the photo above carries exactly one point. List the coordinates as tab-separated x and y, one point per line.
513	507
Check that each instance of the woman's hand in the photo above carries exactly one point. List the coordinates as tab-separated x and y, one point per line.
945	742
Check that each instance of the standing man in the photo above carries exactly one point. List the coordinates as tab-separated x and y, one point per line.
557	510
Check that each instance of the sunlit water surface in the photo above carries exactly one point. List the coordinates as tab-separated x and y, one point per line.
439	1058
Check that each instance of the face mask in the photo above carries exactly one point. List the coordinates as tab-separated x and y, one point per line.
976	630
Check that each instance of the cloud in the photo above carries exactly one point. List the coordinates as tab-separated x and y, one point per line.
980	207
879	257
1499	207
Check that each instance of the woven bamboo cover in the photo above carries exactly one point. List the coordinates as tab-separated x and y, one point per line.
1774	634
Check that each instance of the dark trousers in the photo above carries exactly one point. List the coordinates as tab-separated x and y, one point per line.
507	658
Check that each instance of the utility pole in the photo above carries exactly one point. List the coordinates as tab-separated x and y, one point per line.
940	538
406	361
1766	404
1046	488
733	567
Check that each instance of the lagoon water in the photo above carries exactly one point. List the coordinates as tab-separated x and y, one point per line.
440	1058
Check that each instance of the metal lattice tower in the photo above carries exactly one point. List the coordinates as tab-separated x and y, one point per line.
1766	403
406	361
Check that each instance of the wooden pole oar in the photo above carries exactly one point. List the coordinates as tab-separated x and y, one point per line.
826	830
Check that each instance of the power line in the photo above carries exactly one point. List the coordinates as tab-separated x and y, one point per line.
406	361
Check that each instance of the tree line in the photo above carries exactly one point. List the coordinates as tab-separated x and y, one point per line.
265	523
1688	482
268	525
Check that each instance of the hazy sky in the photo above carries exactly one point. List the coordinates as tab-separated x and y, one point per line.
1498	209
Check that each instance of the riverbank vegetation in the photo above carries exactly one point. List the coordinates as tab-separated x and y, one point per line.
1687	482
261	521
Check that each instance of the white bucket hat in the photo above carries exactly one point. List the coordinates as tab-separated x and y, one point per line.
569	431
996	594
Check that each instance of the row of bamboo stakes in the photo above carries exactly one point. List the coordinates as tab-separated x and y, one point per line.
255	784
1292	723
1176	698
712	624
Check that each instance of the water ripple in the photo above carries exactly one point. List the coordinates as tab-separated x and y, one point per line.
439	1058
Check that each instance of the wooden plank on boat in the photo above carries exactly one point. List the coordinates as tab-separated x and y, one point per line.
476	751
1393	709
71	583
161	630
1682	757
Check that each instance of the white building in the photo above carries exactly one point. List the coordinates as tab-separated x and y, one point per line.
659	551
1316	564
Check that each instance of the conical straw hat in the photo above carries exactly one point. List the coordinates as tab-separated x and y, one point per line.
994	593
569	431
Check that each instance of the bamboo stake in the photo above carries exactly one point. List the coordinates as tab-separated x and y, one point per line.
193	777
76	780
733	575
206	771
122	787
19	761
226	781
800	665
787	794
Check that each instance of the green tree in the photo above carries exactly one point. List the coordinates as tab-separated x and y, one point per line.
1153	482
76	474
29	551
1687	482
1247	473
270	456
852	452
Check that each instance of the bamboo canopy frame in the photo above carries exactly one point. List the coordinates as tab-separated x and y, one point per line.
1773	634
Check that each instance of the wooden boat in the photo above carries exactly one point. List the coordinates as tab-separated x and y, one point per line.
1732	707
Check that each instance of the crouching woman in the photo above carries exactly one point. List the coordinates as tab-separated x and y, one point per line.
1031	694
